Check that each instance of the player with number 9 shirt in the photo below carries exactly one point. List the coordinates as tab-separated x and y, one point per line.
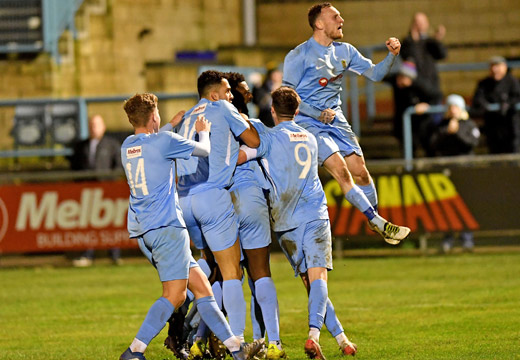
299	212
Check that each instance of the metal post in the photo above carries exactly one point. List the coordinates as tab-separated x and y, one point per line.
407	137
370	92
249	14
354	104
83	118
407	131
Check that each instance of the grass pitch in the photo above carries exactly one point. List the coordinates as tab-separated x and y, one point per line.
453	307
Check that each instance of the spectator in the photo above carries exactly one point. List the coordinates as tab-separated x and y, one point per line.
98	152
262	95
409	90
424	50
457	134
500	127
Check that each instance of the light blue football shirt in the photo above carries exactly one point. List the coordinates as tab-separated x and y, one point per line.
290	156
316	71
215	171
148	163
250	173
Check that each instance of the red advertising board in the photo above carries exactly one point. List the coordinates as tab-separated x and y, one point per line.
64	216
79	215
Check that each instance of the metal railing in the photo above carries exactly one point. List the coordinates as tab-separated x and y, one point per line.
369	90
407	128
82	103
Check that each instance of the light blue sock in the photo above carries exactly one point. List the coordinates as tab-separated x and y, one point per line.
217	293
155	320
371	193
318	296
235	305
213	317
331	320
357	198
254	311
268	301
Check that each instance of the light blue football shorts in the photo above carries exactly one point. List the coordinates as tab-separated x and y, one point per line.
331	138
210	218
309	245
254	228
193	226
168	249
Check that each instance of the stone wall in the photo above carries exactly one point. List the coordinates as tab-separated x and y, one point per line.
119	46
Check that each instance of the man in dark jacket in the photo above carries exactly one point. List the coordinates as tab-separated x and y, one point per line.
424	50
500	127
98	152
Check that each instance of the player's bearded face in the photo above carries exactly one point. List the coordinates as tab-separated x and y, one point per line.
224	92
332	23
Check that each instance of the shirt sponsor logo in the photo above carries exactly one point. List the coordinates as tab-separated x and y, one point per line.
134	152
199	109
324	81
298	136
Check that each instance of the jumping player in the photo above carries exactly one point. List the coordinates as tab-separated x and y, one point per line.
315	69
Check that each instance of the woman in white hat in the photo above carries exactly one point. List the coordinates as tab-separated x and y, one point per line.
457	134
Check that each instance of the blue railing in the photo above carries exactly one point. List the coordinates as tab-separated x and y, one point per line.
369	89
82	105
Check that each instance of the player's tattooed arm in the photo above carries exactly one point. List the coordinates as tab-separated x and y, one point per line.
327	116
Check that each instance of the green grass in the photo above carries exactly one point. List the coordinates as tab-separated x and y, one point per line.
453	307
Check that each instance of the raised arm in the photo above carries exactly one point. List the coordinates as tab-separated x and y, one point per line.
378	72
203	146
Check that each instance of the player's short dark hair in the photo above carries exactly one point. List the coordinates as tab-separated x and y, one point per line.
285	101
139	107
208	79
234	79
315	11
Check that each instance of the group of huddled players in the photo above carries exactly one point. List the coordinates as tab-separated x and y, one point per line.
237	181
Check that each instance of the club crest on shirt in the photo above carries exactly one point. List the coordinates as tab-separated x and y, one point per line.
199	109
298	136
344	63
134	152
